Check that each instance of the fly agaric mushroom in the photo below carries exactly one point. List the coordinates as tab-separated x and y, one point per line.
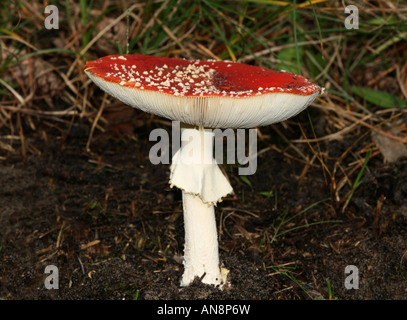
202	95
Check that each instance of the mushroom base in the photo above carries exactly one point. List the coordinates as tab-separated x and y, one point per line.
201	256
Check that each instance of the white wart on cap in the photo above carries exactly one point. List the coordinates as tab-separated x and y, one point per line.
212	94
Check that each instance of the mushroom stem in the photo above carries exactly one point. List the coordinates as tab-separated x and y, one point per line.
196	173
201	257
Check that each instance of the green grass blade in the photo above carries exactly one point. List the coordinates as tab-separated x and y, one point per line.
380	98
295	36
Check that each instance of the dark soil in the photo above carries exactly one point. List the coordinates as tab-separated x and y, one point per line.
112	225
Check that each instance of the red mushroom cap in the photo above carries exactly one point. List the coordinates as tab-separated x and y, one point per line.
203	93
196	78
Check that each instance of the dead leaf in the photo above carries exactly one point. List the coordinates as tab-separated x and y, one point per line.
392	150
